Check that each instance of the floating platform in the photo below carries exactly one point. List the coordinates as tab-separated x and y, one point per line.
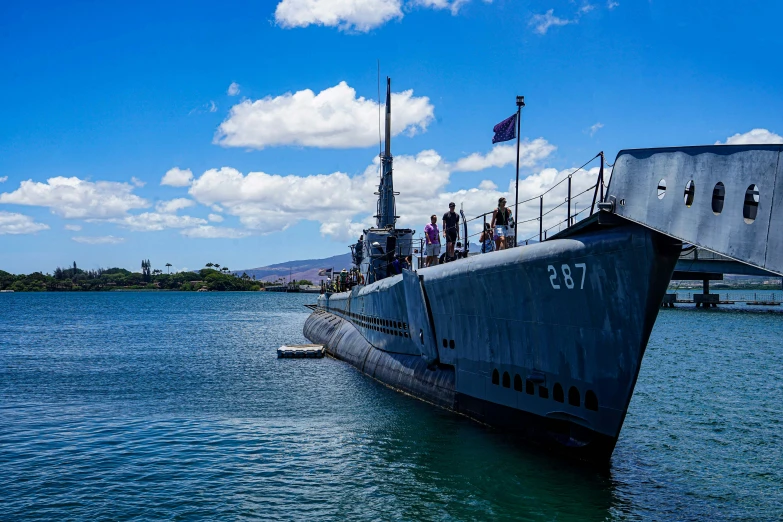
300	351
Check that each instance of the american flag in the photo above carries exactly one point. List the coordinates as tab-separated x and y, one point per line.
505	130
325	272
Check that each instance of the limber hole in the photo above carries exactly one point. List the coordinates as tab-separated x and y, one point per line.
690	192
661	189
718	196
751	207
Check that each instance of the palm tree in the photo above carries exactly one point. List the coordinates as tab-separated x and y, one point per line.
168	268
216	266
209	265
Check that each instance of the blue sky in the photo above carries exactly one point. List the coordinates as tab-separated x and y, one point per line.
102	100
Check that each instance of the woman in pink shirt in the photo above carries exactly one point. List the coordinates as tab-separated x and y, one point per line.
432	237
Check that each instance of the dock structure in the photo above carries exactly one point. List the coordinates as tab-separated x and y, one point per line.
705	266
300	351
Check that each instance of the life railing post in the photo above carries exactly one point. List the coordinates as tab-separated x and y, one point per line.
540	218
601	176
569	201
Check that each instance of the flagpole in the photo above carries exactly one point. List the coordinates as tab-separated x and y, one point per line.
520	104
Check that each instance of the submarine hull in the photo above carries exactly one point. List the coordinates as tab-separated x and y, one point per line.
544	341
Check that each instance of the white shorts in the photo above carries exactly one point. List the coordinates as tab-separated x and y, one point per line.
433	249
501	231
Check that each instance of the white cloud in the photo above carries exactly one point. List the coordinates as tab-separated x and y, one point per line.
586	8
595	128
177	177
3	179
215	218
76	198
171	206
233	89
13	223
542	22
452	5
333	118
753	137
98	240
210	232
137	182
343	205
74	228
530	153
154	221
347	15
611	4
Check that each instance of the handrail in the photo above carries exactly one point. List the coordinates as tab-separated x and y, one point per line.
597	187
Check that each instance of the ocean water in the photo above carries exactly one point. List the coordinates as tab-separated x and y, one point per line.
117	406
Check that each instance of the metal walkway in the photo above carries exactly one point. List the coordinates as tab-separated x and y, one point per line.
727	199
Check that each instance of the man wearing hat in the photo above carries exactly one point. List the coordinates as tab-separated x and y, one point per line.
450	230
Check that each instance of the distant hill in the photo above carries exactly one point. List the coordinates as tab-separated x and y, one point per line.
308	268
302	269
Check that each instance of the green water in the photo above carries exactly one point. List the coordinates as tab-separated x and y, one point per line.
117	406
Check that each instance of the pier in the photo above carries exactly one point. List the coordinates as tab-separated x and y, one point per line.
705	266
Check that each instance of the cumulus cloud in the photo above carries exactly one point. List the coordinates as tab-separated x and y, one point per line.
137	182
13	223
343	205
75	198
210	232
233	89
530	153
155	221
753	137
215	218
346	15
595	128
177	177
333	118
542	22
173	205
3	179
98	240
74	228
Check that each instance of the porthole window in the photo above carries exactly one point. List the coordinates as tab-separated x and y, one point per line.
506	380
530	388
495	377
543	392
557	393
661	189
573	396
751	207
718	195
451	344
517	383
591	401
690	192
445	343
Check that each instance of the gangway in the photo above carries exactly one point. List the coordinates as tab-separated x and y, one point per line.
726	199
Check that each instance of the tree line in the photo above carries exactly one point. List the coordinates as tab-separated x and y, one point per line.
72	278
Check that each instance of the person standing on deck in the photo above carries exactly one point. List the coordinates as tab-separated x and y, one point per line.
450	230
432	238
500	220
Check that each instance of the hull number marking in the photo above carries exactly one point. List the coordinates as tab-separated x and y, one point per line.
568	278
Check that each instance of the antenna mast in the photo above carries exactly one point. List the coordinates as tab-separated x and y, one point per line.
386	205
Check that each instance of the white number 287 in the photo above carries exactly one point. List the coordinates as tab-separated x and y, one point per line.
568	278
